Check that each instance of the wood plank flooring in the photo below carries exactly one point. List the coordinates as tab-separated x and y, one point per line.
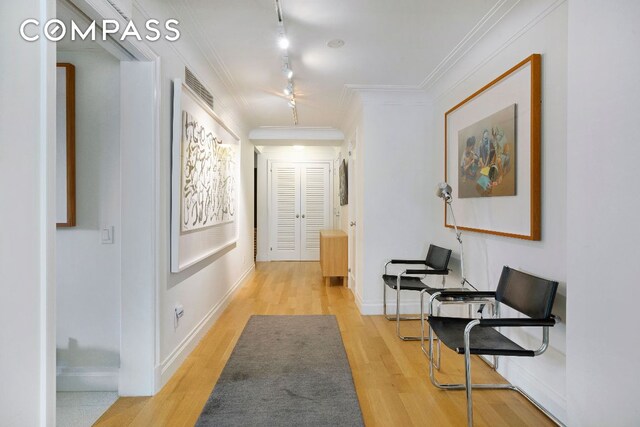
390	375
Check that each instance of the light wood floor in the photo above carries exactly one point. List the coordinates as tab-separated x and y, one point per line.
390	375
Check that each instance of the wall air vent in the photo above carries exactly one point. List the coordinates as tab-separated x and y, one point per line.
198	87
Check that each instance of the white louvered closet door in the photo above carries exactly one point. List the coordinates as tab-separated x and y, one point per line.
315	208
285	212
300	208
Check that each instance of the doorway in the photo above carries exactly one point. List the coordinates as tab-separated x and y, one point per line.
107	263
88	255
300	206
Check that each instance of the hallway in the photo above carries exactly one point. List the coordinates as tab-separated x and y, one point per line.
390	375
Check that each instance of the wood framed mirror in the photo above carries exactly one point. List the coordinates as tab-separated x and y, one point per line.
65	146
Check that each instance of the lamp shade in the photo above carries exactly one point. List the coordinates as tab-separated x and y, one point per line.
443	190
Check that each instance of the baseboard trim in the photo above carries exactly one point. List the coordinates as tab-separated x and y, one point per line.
549	398
171	364
87	379
376	308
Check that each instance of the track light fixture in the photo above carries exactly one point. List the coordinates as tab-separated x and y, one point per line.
283	43
286	68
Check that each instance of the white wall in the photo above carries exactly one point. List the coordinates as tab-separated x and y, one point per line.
603	92
401	153
27	177
391	186
288	153
205	288
88	272
527	29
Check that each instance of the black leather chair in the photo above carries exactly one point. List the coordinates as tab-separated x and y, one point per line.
436	263
529	295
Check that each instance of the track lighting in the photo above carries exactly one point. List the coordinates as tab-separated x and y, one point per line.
283	42
286	68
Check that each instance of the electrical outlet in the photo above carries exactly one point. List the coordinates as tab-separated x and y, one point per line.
179	312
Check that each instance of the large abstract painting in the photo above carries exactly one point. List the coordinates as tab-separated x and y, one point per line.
486	153
204	181
208	182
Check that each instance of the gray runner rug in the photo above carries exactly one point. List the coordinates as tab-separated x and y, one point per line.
285	371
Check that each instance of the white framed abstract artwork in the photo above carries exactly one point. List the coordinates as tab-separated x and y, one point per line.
205	166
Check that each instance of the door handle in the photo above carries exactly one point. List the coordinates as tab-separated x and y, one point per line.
302	215
297	216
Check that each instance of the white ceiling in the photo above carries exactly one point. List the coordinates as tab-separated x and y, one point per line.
387	43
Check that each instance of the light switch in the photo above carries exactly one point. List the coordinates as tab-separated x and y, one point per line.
106	237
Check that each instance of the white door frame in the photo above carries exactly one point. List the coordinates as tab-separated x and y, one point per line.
139	350
270	212
352	208
139	355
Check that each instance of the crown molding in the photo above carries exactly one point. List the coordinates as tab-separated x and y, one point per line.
495	52
222	109
218	65
349	90
486	24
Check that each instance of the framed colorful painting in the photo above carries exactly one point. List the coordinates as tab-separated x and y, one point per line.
492	155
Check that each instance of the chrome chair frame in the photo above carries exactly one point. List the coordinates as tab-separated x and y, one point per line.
404	273
455	296
435	263
397	317
468	386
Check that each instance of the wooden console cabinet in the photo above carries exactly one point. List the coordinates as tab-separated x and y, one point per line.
333	255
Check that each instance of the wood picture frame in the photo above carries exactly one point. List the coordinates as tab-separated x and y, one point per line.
65	145
516	212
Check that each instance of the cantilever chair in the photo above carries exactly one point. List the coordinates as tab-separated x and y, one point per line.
458	296
436	263
523	292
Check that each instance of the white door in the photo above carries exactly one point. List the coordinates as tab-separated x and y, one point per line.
284	241
300	208
315	196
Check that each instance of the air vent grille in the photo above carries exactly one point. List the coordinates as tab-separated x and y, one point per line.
198	87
